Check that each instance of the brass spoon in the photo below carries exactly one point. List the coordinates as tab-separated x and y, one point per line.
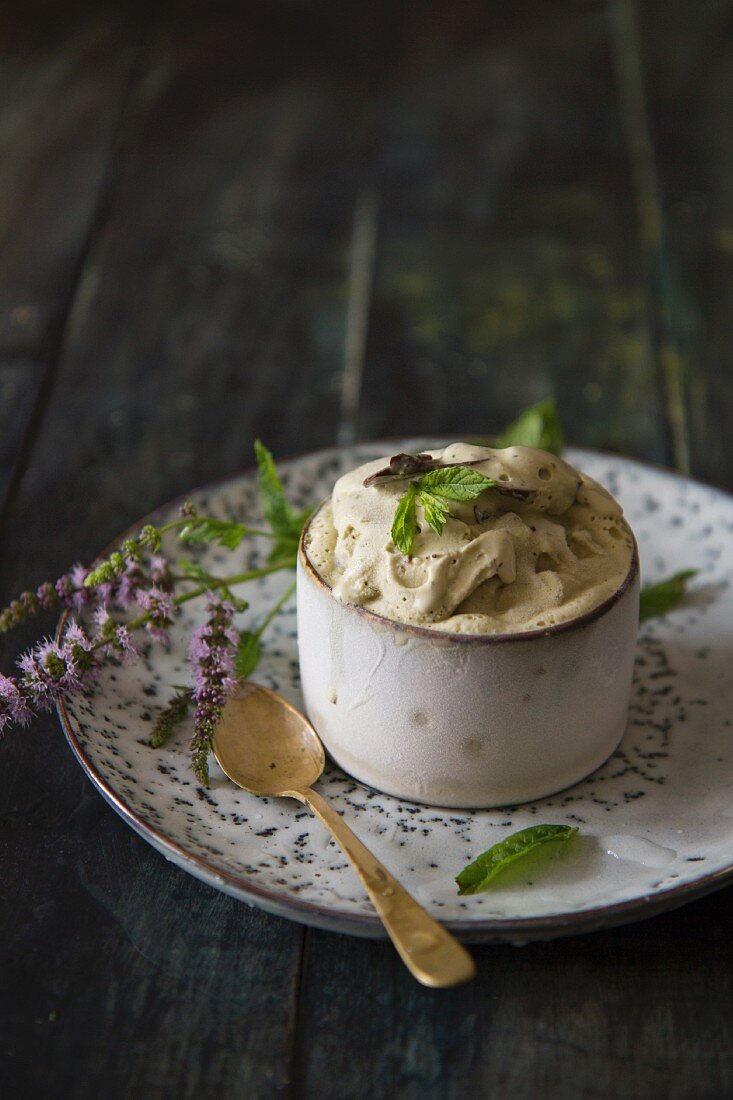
267	747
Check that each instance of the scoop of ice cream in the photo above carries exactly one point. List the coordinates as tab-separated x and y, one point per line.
544	546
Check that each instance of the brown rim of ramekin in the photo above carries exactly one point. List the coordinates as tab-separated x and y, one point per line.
585	619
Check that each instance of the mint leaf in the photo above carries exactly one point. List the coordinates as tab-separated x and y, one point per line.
432	490
192	569
275	505
283	549
248	654
538	426
436	511
404	524
287	545
223	531
477	876
455	483
658	599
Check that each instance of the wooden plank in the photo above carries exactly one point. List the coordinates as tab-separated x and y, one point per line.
626	1014
19	386
688	58
133	978
63	88
63	83
509	265
211	308
508	261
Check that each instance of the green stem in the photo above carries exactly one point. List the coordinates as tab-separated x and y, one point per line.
214	583
188	521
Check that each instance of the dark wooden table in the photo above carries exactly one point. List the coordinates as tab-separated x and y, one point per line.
314	221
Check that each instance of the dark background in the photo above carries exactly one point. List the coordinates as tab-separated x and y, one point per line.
319	221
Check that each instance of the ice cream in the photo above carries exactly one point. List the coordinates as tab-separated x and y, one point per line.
542	547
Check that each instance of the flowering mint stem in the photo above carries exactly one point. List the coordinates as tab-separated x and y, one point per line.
217	582
178	524
211	652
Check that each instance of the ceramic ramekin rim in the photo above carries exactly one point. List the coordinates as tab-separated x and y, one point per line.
570	625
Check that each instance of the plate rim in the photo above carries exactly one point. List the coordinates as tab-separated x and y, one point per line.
487	930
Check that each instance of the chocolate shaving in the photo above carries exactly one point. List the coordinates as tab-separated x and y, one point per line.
404	466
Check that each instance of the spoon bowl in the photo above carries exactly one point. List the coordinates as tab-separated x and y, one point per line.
264	745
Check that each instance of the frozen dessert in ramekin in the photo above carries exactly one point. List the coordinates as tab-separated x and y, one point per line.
493	663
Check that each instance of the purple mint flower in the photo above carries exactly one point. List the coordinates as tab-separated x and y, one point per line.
47	673
159	606
156	602
47	596
115	637
52	669
70	588
129	585
14	708
160	572
105	593
124	643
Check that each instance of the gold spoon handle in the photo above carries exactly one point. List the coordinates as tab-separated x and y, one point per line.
427	949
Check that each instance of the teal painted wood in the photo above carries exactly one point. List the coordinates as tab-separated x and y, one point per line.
688	58
509	265
211	307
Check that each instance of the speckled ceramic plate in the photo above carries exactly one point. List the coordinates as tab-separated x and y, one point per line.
656	821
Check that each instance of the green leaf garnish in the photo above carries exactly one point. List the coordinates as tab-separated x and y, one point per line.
538	426
477	876
455	482
248	654
404	524
224	531
435	510
433	490
275	505
658	599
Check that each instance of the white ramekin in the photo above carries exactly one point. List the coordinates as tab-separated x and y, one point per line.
465	720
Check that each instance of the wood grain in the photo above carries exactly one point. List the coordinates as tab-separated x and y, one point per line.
211	307
625	1013
688	58
289	220
509	264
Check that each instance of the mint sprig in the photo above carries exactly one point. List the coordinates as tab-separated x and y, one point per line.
538	426
207	529
285	524
478	876
433	491
666	595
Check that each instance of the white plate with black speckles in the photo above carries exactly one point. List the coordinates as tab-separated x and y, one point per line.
656	821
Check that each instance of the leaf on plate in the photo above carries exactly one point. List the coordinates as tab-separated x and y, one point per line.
666	595
478	876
